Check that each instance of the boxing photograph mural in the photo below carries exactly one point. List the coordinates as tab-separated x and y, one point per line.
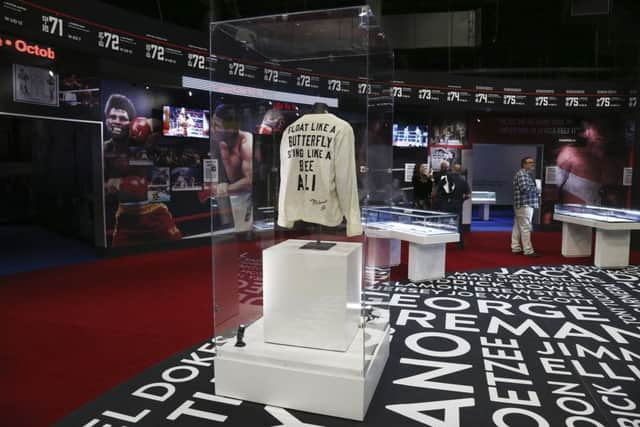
245	139
233	147
589	167
150	181
187	171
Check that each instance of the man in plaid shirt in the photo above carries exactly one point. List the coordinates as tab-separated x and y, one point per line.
525	200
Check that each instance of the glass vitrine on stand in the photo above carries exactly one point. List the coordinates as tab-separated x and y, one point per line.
301	130
484	199
427	232
613	232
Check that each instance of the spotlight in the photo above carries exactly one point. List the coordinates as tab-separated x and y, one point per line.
190	93
478	119
51	73
146	87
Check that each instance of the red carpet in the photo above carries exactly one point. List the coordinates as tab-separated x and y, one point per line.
69	334
491	249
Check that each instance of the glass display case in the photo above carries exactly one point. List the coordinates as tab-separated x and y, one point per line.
613	232
300	139
427	233
409	224
484	199
597	213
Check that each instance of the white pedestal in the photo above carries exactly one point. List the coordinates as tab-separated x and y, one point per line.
242	211
485	211
383	252
576	240
311	297
613	237
426	262
395	249
612	248
339	384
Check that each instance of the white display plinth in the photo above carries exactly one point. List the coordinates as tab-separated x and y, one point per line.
576	240
339	384
485	202
426	262
383	252
613	237
612	248
312	297
427	246
485	211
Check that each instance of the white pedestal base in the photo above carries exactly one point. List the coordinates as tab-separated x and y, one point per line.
485	212
306	379
312	297
612	248
383	252
426	262
613	236
576	240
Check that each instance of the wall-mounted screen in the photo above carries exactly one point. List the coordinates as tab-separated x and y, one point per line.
185	122
410	135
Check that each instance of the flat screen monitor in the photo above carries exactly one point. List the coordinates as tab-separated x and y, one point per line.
185	122
410	135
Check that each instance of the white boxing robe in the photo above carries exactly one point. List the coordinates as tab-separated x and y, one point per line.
318	173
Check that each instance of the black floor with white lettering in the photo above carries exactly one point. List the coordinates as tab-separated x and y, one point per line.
518	347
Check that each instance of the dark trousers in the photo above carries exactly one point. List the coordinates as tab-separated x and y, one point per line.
455	207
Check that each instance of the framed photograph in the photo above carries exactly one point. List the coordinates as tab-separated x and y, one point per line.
159	193
408	171
34	85
186	179
627	177
450	133
210	169
159	176
438	154
550	174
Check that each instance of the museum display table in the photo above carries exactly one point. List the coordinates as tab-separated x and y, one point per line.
613	233
484	199
427	232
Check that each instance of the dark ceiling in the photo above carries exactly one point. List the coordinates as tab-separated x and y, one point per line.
519	38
